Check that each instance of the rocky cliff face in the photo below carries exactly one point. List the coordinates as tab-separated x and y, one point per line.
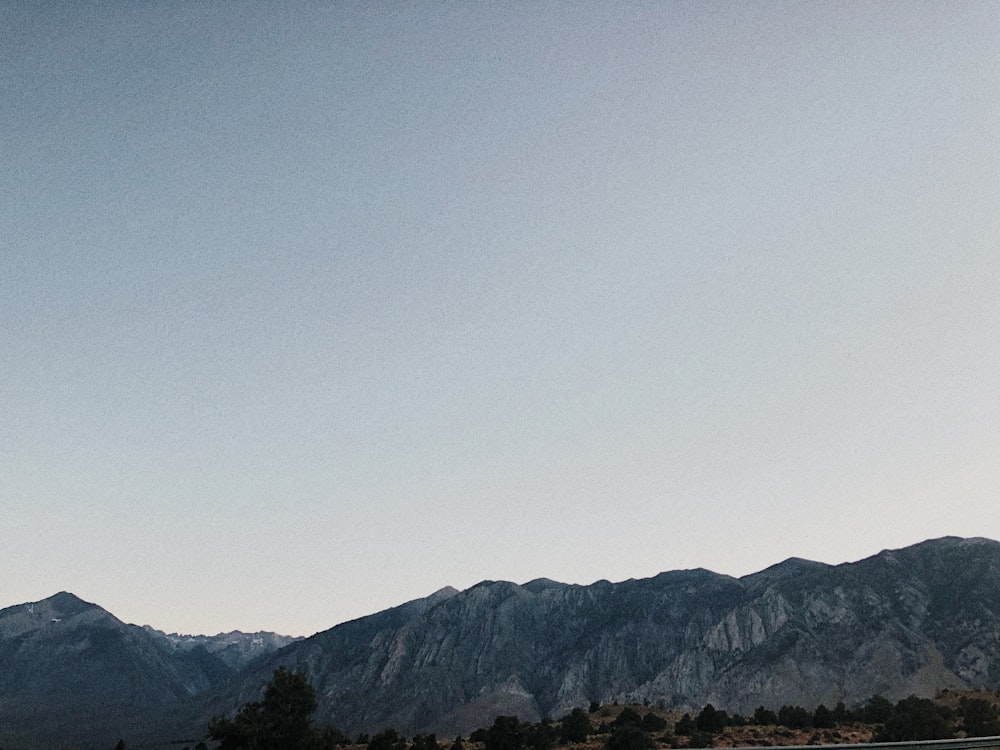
907	621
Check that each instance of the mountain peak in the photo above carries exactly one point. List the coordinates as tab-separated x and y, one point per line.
541	584
67	603
442	593
31	616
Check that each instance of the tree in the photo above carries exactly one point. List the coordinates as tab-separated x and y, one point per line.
629	736
540	736
980	718
876	710
628	715
478	735
764	717
684	725
710	720
653	722
425	742
283	720
736	720
387	739
574	727
822	717
329	738
505	734
916	719
795	717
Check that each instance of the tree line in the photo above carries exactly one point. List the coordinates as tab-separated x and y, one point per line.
283	721
908	720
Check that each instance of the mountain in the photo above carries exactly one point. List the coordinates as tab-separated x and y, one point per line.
234	649
69	669
909	621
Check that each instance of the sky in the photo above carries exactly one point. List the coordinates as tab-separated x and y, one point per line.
308	309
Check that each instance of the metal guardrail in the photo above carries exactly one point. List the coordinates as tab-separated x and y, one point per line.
969	743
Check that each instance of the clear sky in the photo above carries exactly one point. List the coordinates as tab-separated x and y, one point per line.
309	309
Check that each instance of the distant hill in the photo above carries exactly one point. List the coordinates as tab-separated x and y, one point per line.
909	621
234	650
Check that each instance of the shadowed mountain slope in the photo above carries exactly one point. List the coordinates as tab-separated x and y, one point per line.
71	670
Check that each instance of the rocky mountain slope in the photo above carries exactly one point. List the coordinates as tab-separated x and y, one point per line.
910	621
907	621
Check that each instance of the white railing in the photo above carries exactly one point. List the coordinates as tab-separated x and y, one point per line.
969	743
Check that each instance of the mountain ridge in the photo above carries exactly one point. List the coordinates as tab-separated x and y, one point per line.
911	620
682	638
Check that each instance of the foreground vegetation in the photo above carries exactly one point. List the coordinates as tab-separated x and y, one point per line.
283	721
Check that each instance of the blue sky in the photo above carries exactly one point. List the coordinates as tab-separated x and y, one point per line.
308	309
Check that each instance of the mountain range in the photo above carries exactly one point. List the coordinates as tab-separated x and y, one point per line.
908	621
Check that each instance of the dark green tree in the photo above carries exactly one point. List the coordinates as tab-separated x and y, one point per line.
628	715
795	717
876	710
541	736
764	717
387	739
283	720
653	722
685	725
710	720
574	727
916	719
478	735
823	717
425	742
737	720
629	736
329	738
507	733
980	717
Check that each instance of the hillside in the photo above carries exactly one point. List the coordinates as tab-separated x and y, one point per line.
910	621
